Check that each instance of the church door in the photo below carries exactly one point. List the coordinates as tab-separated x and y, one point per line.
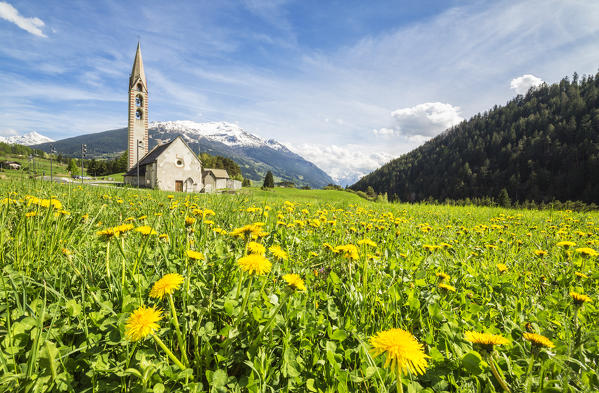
179	185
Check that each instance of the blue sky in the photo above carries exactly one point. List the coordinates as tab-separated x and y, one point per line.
347	84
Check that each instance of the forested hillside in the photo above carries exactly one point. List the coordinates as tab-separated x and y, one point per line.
542	147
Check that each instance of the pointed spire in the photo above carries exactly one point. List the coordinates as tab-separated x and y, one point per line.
138	69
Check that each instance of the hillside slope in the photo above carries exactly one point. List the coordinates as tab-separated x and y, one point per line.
541	147
254	155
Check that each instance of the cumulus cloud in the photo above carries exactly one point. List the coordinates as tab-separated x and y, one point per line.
31	25
422	120
345	164
523	83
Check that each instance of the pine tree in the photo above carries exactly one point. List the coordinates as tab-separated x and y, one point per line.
504	199
269	181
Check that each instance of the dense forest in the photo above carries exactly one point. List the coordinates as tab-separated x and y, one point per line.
220	162
540	147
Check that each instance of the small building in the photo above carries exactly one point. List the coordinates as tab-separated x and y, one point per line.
214	179
233	184
11	165
172	166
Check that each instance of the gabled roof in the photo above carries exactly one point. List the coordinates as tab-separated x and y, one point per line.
218	173
149	158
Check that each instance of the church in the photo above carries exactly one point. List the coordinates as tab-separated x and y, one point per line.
172	166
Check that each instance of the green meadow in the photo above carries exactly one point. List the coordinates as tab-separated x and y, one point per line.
118	290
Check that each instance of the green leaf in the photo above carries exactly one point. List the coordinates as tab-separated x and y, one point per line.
472	362
338	335
230	306
310	385
158	388
73	308
219	378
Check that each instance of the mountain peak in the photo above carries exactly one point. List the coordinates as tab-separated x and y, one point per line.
227	133
30	138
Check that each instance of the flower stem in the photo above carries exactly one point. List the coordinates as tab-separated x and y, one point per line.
245	300
496	374
108	258
267	326
529	372
168	352
182	346
399	383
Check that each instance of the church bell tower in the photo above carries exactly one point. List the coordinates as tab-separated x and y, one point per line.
138	111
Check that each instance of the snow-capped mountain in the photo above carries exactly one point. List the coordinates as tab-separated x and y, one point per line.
226	133
31	138
254	155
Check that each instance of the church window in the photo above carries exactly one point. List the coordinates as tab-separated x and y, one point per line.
179	162
139	100
139	87
139	115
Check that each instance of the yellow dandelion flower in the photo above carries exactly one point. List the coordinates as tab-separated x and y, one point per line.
146	230
256	248
348	251
31	214
278	252
294	281
313	254
581	275
367	242
502	267
189	221
66	251
487	340
142	323
566	244
580	298
163	236
589	252
402	351
538	340
168	284
443	276
540	253
254	264
447	287
194	255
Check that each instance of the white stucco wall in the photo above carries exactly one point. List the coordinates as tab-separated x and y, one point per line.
221	184
168	172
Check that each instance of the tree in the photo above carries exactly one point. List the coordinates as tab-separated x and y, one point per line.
246	183
269	181
73	168
504	199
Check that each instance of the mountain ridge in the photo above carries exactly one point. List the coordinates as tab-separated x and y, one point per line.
254	155
539	147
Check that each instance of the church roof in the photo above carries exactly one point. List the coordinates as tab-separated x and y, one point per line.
149	158
218	173
138	69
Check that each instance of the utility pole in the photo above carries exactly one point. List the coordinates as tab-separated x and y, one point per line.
83	151
139	144
52	151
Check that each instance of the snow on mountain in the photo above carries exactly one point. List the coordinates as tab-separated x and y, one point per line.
226	133
31	138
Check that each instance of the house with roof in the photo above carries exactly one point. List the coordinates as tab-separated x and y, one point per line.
214	179
172	166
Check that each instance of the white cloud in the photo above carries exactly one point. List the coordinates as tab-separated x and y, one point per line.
523	83
422	121
345	164
11	14
383	131
9	132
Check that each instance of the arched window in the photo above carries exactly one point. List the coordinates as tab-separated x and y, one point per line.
140	87
139	101
139	114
